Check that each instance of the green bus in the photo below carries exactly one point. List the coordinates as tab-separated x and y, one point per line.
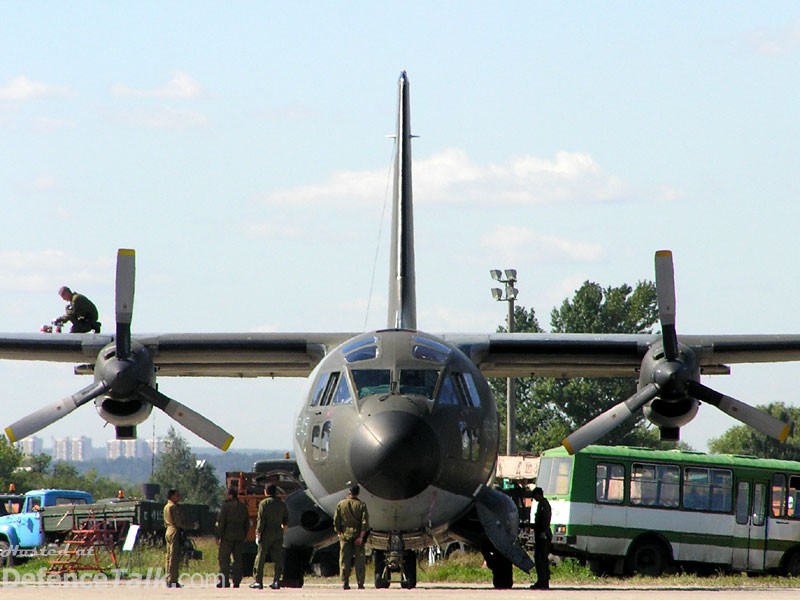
635	510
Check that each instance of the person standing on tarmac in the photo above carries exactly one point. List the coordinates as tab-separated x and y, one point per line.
273	517
231	529
543	536
176	524
351	523
81	312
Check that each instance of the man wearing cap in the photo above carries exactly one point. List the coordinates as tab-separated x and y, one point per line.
351	523
81	312
543	536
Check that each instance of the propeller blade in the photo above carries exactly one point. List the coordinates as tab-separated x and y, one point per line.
665	292
126	275
191	420
36	421
605	422
757	419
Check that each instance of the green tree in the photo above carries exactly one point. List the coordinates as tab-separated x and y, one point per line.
177	467
742	439
10	459
547	408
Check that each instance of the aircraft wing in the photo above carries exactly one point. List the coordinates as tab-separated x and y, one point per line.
188	354
611	355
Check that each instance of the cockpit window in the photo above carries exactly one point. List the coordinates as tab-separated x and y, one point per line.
472	391
361	350
427	349
372	381
317	395
459	389
342	393
418	382
448	394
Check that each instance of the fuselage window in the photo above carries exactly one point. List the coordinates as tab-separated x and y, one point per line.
325	441
315	441
371	381
342	393
470	443
418	382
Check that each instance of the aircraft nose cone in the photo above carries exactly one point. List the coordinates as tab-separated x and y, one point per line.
394	455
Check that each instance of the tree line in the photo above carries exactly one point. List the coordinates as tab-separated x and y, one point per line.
548	409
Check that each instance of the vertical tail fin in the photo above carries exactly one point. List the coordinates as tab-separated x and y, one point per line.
402	283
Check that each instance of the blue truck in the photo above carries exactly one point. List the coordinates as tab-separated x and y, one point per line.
23	526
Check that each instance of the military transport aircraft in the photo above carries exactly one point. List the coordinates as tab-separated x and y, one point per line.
406	414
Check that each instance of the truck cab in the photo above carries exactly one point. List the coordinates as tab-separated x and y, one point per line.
22	532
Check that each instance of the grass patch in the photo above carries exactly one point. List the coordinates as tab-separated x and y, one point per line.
460	567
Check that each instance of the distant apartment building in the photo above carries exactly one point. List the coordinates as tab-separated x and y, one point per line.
72	449
133	448
31	445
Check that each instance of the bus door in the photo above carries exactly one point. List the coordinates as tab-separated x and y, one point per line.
750	531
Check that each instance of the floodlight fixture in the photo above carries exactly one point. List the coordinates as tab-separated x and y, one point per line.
497	293
511	274
496	274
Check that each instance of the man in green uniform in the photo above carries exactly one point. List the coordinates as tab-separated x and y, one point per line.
81	312
351	523
175	523
231	530
543	536
273	517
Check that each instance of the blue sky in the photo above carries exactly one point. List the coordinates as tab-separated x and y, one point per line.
240	148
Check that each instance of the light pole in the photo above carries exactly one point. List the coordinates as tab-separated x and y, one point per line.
508	294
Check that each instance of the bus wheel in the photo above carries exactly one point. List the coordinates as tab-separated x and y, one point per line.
791	567
647	558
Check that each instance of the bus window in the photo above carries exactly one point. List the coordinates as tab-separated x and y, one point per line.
779	495
696	489
743	503
655	485
554	476
793	497
759	501
721	490
610	483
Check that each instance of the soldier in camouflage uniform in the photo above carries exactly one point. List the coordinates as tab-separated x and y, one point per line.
273	517
231	529
81	312
351	523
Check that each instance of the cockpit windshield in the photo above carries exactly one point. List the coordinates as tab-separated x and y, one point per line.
372	381
413	382
418	382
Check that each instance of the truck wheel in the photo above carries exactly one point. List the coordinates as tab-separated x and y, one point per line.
6	556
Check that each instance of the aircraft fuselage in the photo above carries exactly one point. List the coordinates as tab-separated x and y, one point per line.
410	419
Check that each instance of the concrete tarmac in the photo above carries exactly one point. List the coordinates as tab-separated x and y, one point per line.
155	590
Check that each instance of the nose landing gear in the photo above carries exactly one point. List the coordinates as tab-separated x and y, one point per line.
395	560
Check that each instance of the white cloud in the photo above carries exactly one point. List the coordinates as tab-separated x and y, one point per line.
42	270
451	177
180	86
22	88
515	242
780	40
